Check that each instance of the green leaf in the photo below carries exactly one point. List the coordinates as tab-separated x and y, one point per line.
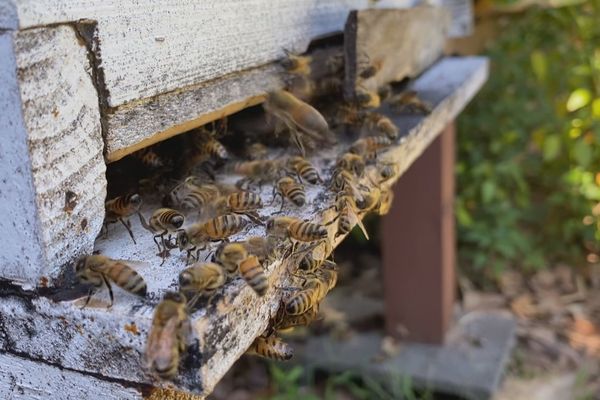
579	98
488	191
539	65
582	153
551	147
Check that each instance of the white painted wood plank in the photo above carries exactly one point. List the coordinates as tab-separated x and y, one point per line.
23	379
102	341
60	146
148	47
22	255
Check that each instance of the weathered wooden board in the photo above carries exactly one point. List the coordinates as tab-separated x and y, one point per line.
111	342
172	113
23	379
147	47
401	43
52	143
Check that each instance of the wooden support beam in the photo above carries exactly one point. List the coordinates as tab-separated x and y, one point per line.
419	247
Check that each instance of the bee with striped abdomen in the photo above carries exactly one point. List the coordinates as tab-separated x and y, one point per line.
409	101
245	203
304	169
381	125
120	208
309	264
288	188
347	216
100	270
229	255
201	279
254	274
149	158
168	336
255	172
294	228
196	236
162	221
271	347
283	321
369	146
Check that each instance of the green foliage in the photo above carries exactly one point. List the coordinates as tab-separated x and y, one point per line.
528	154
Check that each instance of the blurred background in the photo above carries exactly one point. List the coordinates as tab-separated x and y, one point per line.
527	211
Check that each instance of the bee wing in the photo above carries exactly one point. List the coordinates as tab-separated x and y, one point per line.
161	342
358	222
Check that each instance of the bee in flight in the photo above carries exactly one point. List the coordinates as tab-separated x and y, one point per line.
298	116
120	208
168	336
100	270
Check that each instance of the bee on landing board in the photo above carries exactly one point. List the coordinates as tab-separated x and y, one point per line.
100	271
120	208
271	347
168	336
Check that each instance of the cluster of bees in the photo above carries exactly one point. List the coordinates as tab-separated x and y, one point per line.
355	181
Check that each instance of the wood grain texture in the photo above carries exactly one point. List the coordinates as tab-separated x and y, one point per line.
62	122
401	42
172	113
98	340
22	256
23	379
148	47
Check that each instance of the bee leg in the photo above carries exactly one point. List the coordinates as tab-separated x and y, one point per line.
254	217
110	292
296	137
128	229
155	238
192	302
88	298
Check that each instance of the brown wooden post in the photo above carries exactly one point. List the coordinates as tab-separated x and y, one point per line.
419	247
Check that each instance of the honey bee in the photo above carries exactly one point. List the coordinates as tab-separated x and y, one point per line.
149	158
304	169
366	99
288	188
313	291
368	147
162	221
342	181
256	151
260	246
351	162
347	215
201	279
371	69
300	86
387	171
385	203
271	347
100	270
309	264
297	229
190	196
245	203
122	207
229	255
254	274
257	171
381	124
168	336
284	321
297	115
195	237
206	145
409	101
299	65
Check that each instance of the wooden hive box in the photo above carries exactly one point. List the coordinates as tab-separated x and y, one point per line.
86	82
